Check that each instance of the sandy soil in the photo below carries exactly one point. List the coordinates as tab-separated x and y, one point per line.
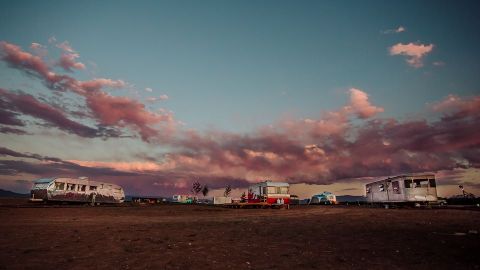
206	237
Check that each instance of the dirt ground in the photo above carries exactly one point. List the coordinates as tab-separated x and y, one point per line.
207	237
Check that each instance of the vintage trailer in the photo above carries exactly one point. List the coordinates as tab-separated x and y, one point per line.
416	188
269	192
324	198
80	190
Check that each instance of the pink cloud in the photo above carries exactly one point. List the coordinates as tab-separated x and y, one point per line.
378	148
361	105
97	84
16	57
136	166
123	111
28	105
333	123
68	58
108	110
455	106
68	61
413	52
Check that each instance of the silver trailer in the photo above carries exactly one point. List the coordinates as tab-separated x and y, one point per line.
80	190
415	188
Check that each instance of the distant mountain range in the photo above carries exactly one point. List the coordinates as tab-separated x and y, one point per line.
10	194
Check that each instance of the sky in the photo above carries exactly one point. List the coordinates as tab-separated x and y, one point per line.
154	95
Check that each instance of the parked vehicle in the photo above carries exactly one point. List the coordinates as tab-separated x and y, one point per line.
75	190
416	188
324	198
269	192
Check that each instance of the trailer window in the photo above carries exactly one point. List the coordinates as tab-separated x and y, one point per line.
271	190
71	187
432	183
82	187
396	187
420	183
93	188
381	187
283	190
59	186
408	183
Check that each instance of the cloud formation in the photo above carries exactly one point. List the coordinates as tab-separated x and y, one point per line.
123	111
68	58
110	111
25	104
397	30
361	106
414	52
298	152
155	99
350	142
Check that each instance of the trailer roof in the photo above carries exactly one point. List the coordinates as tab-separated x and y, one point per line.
269	183
75	181
430	175
44	180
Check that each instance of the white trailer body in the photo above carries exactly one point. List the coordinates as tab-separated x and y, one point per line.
76	190
415	188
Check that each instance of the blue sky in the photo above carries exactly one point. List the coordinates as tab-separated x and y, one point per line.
240	66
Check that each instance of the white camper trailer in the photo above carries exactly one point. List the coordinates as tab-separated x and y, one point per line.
80	190
417	188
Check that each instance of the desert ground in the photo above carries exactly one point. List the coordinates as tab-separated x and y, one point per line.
207	237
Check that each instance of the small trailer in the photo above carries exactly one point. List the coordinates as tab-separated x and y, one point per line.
267	194
403	189
75	190
324	198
